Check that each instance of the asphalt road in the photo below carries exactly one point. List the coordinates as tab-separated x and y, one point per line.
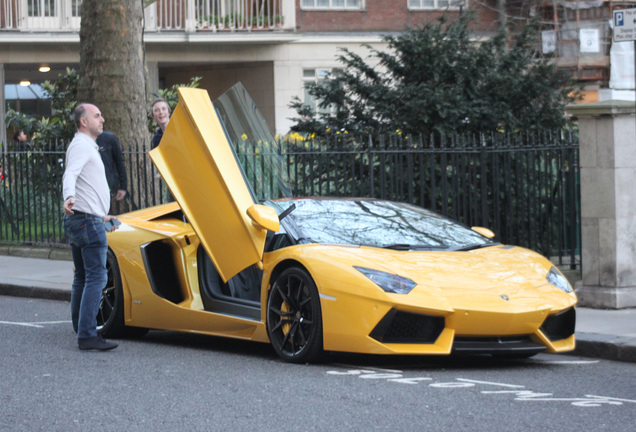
173	381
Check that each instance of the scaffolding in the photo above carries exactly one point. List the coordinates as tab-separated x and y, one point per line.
578	34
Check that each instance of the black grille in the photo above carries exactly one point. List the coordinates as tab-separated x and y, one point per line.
408	327
508	345
560	326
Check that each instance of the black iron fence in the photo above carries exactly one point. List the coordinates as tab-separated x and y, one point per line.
523	186
31	202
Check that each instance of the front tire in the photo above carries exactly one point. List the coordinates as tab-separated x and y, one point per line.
294	318
110	317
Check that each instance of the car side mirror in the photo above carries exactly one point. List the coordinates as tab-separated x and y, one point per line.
483	231
263	217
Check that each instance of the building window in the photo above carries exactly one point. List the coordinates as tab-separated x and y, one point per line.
76	7
332	4
31	100
42	8
434	4
315	76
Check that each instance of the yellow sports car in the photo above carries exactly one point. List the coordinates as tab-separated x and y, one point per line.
314	274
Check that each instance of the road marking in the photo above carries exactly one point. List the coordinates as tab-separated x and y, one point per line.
587	401
53	322
518	392
381	376
566	362
522	394
611	398
489	383
451	385
37	324
361	370
410	380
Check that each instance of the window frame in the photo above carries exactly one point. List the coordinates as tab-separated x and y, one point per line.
361	6
318	71
452	5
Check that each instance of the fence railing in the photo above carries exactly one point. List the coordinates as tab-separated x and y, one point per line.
31	199
162	15
525	187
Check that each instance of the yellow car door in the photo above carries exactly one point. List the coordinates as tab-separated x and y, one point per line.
199	165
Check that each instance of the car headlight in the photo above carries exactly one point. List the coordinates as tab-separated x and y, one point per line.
388	282
556	279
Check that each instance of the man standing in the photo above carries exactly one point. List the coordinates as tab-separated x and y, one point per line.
114	165
86	204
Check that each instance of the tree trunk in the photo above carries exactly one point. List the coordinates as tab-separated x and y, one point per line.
501	10
112	76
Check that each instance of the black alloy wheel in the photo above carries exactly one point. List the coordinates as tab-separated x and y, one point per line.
107	304
294	320
110	316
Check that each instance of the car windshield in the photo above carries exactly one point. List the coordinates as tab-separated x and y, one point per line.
376	223
255	148
350	222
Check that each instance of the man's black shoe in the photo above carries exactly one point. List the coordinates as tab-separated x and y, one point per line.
95	343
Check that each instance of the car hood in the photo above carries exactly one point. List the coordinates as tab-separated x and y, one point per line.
514	268
197	158
476	270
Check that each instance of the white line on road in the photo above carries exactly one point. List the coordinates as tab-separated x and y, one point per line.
38	324
568	361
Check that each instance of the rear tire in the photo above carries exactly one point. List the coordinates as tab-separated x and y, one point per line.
110	317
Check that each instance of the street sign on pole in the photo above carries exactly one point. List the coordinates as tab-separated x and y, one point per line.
625	25
625	30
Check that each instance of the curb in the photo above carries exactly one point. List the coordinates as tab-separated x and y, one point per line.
34	292
606	347
53	253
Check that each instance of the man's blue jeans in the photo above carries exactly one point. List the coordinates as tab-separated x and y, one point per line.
87	236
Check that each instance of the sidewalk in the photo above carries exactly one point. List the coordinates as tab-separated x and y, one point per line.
607	334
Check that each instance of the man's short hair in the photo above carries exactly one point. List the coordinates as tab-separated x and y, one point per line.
79	112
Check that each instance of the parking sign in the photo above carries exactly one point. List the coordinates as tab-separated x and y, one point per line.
619	17
624	25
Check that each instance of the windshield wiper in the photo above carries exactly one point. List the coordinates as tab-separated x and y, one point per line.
406	246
